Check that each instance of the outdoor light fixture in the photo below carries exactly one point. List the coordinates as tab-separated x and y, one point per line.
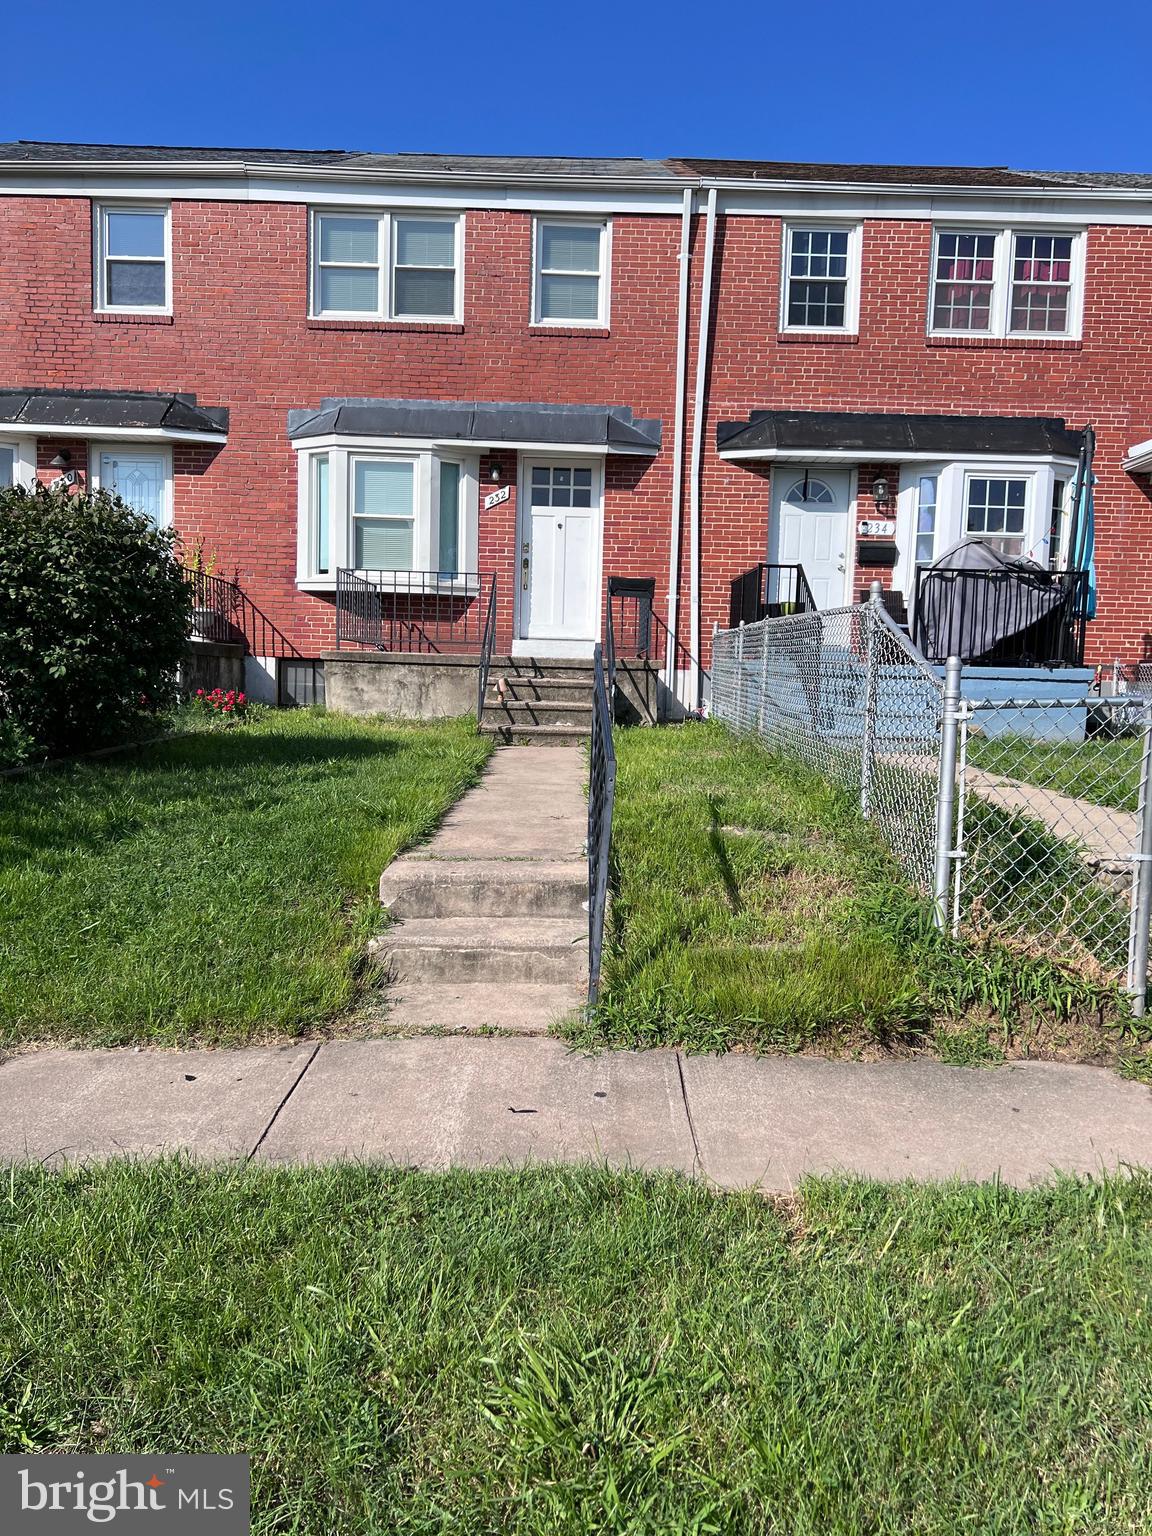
880	492
61	461
493	471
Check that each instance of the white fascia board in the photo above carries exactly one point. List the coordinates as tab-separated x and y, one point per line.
1139	458
997	208
342	189
886	456
455	444
110	434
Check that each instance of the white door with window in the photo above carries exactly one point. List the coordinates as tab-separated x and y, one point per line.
140	479
810	527
559	553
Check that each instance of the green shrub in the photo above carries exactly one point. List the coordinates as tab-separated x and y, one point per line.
94	612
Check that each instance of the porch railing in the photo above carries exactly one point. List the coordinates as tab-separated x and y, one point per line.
769	591
487	642
601	798
223	612
413	611
1041	616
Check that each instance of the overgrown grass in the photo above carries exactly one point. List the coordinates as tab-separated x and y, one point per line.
212	888
578	1353
753	906
1102	770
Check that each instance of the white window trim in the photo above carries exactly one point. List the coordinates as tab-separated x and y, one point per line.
1002	283
342	455
144	450
385	311
855	232
952	478
604	296
99	264
23	460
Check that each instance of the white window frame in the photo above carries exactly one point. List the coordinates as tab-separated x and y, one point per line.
142	450
952	477
100	259
342	455
384	265
23	459
855	233
1001	306
604	273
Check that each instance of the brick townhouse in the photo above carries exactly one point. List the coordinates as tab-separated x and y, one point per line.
482	387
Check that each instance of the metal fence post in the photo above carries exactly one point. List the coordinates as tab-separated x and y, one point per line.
946	792
1138	960
763	699
738	702
868	744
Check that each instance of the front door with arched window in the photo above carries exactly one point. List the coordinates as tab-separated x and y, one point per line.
810	527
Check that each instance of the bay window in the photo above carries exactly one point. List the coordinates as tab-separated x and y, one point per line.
995	509
1006	282
372	507
385	266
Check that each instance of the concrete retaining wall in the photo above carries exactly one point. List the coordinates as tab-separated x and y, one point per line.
212	664
407	687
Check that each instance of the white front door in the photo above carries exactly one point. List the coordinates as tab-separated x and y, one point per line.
559	552
140	479
809	527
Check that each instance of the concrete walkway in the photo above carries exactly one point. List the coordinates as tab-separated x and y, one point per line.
736	1120
1111	838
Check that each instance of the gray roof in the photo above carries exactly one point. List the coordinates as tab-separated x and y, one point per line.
479	421
881	433
904	175
98	408
31	152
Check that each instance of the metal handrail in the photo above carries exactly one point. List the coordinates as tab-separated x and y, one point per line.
601	799
412	611
488	640
766	587
223	612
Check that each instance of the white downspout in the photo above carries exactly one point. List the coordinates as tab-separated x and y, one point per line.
703	341
685	258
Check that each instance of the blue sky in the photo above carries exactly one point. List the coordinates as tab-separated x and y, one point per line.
1033	85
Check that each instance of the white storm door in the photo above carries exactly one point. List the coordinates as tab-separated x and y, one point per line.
559	538
810	528
140	479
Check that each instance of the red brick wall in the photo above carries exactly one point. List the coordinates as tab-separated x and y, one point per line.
239	336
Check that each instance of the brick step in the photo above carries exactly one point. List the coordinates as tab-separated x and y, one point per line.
538	949
412	886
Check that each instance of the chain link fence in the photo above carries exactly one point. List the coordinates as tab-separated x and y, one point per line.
1024	820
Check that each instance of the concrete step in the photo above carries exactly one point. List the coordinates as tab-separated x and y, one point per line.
517	712
573	669
507	735
535	949
423	887
573	689
523	1007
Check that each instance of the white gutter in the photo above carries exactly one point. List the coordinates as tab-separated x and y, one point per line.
110	434
702	345
889	456
1139	459
678	438
1046	190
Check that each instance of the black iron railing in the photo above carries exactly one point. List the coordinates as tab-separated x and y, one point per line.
601	796
769	592
413	611
631	618
487	641
1011	618
223	612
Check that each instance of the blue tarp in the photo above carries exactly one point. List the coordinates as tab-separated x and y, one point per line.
1083	557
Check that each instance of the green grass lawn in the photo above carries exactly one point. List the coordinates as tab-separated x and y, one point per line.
753	906
577	1353
214	888
1101	770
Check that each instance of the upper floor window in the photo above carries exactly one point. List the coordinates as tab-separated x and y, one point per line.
1006	283
820	278
571	262
133	258
385	266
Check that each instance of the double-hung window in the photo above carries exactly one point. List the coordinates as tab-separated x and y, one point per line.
385	266
571	267
1006	283
820	278
383	514
133	258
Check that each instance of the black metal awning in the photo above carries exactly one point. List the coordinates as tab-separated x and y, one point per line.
73	411
869	435
481	423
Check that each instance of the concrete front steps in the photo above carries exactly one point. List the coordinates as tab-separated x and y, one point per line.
489	925
536	701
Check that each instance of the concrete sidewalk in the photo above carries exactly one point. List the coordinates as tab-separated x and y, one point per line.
737	1120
